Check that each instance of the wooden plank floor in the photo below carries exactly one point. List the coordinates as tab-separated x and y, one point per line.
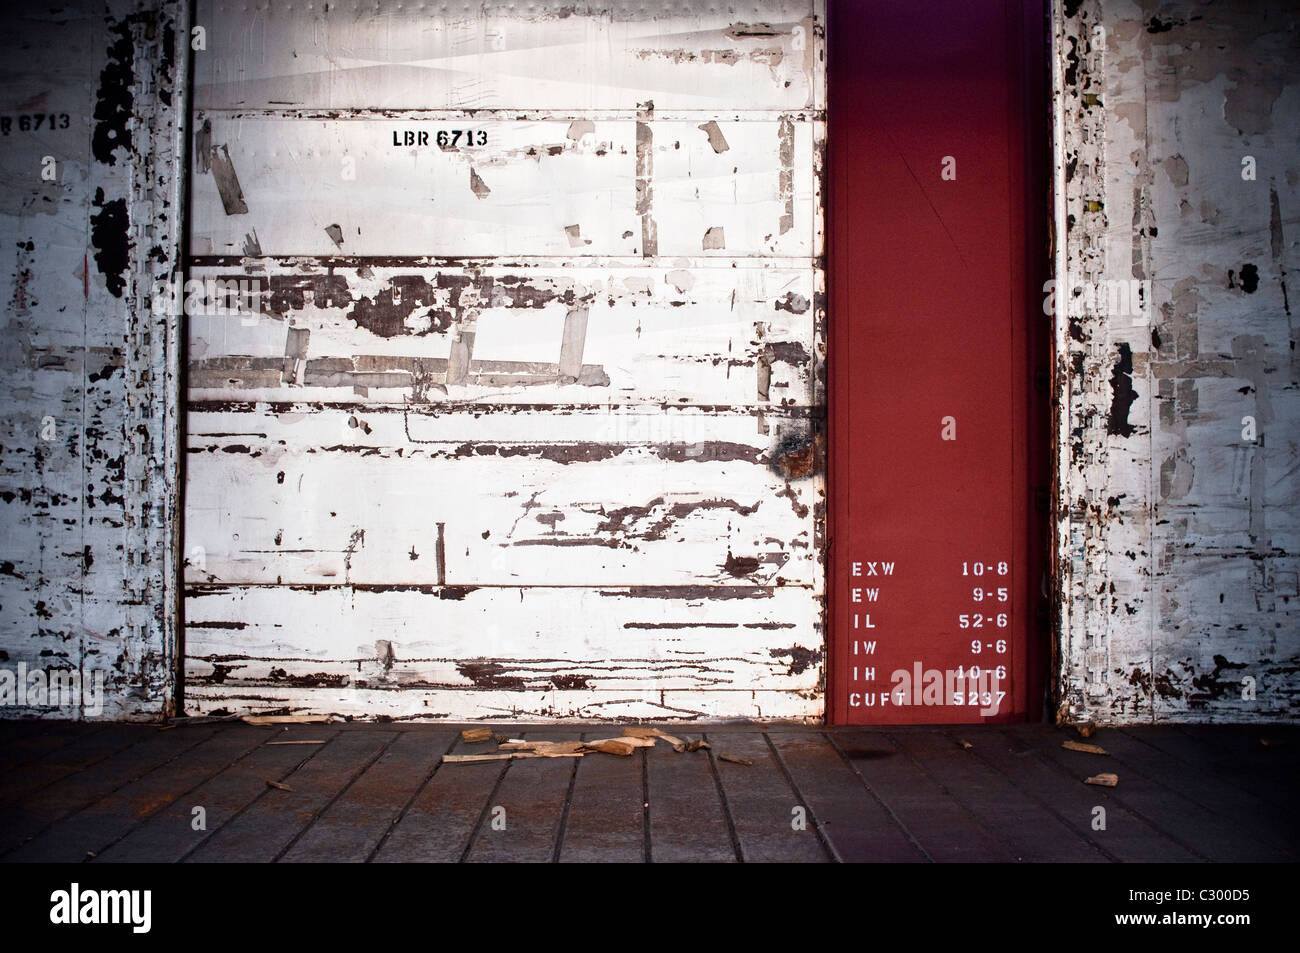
203	792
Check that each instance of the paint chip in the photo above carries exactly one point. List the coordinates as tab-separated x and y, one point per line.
203	146
478	186
579	128
715	238
223	173
681	279
716	138
335	233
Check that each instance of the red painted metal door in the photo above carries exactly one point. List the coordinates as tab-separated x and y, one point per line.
935	198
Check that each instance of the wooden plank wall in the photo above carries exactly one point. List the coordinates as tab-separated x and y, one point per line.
89	210
526	424
1177	375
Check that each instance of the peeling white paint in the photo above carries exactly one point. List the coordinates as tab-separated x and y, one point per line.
1173	531
527	418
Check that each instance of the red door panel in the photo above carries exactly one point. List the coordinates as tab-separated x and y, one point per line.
934	569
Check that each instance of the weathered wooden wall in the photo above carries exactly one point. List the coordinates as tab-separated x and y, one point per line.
528	424
1178	477
89	201
535	435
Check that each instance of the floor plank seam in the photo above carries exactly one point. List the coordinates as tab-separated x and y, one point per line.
190	790
27	795
726	807
827	844
1191	764
647	855
254	800
419	789
946	790
98	728
911	838
1050	808
1125	805
487	807
564	810
1184	792
96	799
317	815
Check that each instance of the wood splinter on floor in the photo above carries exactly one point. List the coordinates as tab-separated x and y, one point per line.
284	719
549	749
964	744
1080	746
636	736
734	760
648	731
278	786
502	756
613	746
1104	780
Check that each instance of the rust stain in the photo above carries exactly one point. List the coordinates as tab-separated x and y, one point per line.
799	457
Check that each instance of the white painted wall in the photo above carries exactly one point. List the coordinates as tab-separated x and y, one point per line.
1177	527
89	205
539	440
602	587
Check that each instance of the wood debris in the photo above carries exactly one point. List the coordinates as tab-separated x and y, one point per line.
640	731
1080	746
1086	730
547	749
617	746
626	739
633	737
734	760
284	719
964	744
1105	780
650	732
279	786
502	756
